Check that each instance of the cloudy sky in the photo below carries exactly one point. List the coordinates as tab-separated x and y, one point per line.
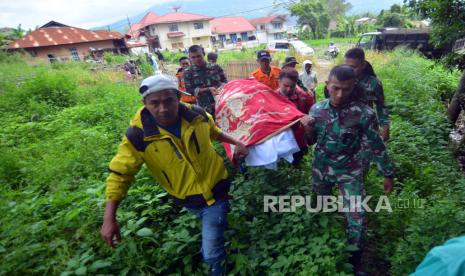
78	13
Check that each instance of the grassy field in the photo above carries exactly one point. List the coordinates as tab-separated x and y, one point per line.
61	125
325	42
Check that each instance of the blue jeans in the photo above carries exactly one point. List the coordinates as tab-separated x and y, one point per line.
214	223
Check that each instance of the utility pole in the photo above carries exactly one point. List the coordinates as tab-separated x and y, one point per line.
129	24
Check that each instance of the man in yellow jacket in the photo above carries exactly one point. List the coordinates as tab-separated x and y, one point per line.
174	141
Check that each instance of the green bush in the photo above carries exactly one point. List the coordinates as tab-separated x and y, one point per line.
111	58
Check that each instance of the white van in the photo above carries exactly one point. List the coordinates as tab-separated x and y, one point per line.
284	46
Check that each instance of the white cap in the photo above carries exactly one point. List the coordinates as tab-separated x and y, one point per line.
307	61
157	83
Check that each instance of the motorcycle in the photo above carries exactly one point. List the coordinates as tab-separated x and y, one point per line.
332	51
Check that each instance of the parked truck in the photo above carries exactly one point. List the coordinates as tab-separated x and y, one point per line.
390	38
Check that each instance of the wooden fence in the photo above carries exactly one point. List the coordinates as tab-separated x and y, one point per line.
241	69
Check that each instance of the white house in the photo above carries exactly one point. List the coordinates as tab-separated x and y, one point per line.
178	30
269	28
233	32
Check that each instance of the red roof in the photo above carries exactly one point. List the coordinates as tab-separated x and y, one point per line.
176	34
179	17
148	19
225	25
264	20
134	30
61	35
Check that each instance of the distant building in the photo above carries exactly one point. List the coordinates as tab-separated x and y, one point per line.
56	41
332	25
269	28
365	20
230	32
176	30
136	40
420	24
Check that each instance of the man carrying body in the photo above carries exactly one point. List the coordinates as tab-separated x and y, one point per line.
202	79
266	73
289	89
341	124
174	141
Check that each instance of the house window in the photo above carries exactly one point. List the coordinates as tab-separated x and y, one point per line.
198	25
278	36
262	27
74	53
278	25
233	38
177	45
244	37
173	27
222	38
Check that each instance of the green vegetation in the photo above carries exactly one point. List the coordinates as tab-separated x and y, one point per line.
325	42
62	124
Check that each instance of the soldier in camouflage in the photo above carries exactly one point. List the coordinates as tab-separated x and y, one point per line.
202	79
339	127
374	93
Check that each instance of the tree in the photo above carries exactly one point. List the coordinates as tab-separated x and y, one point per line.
18	32
337	8
312	14
447	18
396	8
389	19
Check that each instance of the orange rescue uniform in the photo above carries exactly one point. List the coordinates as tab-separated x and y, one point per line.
270	80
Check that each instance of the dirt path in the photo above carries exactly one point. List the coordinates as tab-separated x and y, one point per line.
323	66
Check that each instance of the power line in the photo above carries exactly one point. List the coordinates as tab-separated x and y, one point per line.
274	5
122	24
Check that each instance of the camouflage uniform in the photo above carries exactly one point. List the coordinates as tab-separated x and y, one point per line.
370	91
374	94
201	77
340	133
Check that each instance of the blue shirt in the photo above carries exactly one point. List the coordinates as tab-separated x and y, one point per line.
174	129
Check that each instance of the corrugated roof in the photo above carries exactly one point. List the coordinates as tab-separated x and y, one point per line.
61	35
225	25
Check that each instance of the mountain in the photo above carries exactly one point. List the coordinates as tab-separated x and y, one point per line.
248	9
